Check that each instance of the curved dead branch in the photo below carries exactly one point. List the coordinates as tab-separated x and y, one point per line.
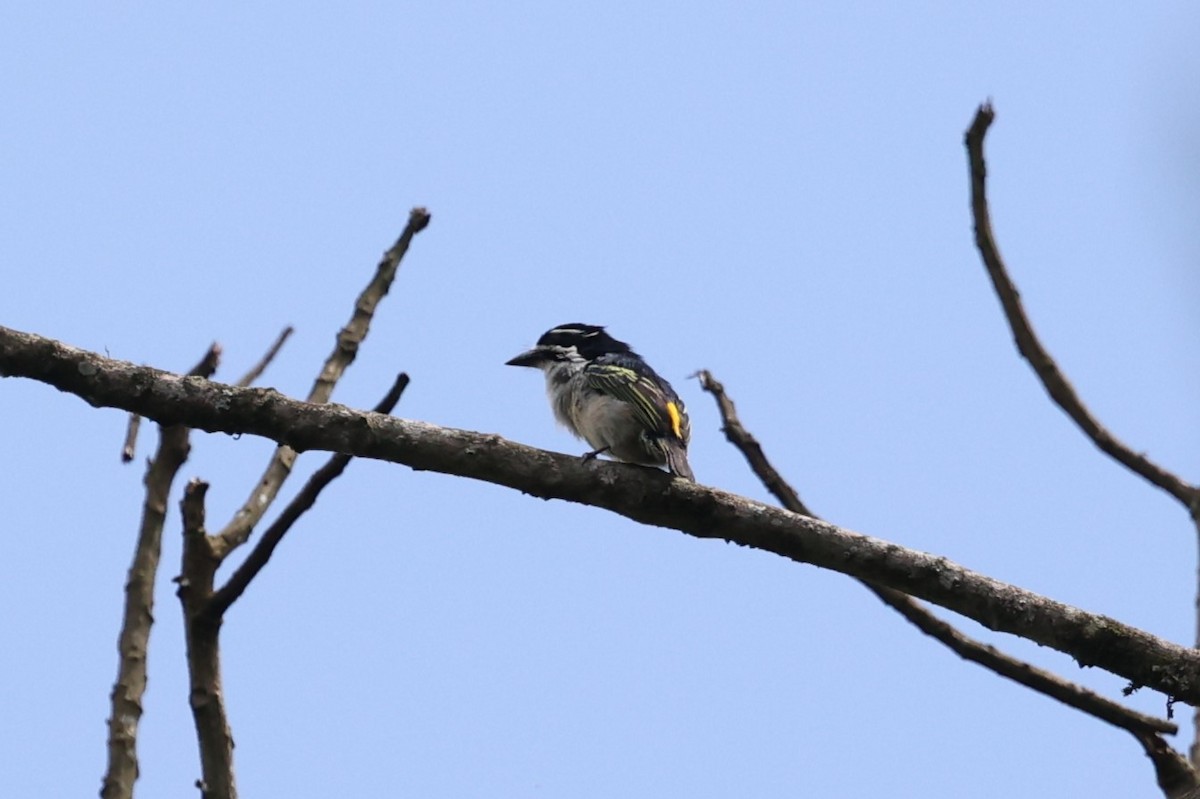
1031	349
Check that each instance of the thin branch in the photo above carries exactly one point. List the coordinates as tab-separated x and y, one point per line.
353	334
260	367
1176	778
1052	378
138	614
129	448
206	696
205	368
235	533
965	647
261	554
751	450
646	496
1194	749
1018	671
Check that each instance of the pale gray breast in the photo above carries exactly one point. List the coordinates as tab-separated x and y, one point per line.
609	423
604	422
562	394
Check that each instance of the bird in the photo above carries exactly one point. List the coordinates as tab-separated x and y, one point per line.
607	395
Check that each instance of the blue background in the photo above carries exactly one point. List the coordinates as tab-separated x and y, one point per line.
776	193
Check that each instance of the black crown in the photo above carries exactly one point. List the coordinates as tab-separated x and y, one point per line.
590	341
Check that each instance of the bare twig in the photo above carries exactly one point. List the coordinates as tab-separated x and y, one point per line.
238	529
1176	777
138	615
965	647
129	448
639	494
1018	671
273	535
748	445
353	334
260	367
205	368
1194	749
1051	377
206	696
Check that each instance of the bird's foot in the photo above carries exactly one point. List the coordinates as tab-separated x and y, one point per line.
591	456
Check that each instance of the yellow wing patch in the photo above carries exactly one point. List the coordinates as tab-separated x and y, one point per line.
673	412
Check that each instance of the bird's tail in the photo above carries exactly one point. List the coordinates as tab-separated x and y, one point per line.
677	460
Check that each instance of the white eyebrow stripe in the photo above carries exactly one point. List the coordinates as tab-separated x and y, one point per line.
575	331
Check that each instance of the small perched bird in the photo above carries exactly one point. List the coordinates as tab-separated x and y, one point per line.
603	392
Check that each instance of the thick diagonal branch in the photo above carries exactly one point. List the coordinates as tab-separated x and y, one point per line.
645	496
963	645
345	350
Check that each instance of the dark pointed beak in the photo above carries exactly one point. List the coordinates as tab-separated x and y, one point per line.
534	357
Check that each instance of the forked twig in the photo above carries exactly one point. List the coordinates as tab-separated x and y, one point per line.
265	547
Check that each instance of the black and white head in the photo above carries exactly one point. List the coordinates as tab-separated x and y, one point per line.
570	345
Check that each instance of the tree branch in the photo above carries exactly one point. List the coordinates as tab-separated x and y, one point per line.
256	371
138	615
1044	366
205	368
206	696
129	448
1031	349
261	554
1194	749
964	646
237	531
646	496
1175	776
751	450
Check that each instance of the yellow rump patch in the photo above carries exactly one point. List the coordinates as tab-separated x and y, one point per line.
673	412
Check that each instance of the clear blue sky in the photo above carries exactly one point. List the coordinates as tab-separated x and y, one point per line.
775	193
